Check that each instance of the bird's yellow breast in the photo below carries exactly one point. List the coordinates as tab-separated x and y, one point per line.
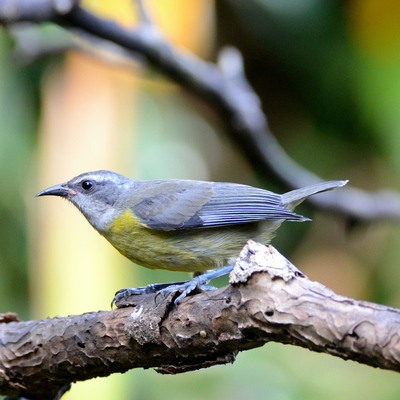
155	249
192	250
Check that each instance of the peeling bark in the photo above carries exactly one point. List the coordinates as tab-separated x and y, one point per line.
268	299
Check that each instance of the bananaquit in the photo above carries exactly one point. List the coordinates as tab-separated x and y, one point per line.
181	225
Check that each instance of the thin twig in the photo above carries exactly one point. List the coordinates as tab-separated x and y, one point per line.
143	12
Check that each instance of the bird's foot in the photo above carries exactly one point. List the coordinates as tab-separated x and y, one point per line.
184	287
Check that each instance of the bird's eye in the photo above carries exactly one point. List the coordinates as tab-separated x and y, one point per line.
87	185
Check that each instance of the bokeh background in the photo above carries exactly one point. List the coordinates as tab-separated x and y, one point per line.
328	74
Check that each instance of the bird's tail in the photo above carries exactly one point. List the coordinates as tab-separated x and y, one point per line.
291	199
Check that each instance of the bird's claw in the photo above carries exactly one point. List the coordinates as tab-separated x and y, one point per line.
184	287
124	294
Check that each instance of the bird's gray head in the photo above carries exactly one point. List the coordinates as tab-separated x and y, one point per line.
95	194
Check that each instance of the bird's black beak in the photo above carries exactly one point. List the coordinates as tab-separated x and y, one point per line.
61	190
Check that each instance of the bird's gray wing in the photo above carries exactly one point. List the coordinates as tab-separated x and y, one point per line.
193	204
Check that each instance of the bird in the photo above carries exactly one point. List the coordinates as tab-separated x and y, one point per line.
181	225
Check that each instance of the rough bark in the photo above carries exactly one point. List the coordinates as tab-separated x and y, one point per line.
268	299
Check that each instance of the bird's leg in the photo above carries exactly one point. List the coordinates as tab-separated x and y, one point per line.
185	287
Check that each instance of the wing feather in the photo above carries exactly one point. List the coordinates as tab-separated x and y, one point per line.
179	204
237	204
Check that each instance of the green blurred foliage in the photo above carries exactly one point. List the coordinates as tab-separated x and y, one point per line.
300	54
274	372
334	107
18	116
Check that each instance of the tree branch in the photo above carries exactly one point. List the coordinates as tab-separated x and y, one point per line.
229	94
268	299
12	11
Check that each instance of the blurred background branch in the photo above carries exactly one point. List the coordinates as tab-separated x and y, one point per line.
230	94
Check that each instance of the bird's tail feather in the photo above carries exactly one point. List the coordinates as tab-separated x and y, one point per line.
291	199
